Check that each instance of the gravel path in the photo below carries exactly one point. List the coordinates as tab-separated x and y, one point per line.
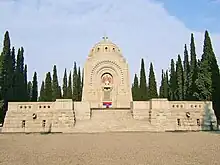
111	148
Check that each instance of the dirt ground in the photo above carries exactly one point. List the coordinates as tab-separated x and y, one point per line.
202	148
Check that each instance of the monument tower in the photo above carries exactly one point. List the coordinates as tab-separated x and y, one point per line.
106	77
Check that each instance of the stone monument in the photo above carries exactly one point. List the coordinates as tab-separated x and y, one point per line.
107	104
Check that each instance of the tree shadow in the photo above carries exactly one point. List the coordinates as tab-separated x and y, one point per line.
209	122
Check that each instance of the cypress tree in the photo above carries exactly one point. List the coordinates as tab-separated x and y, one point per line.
13	58
60	92
6	78
34	93
135	88
152	90
79	85
215	87
65	85
193	71
22	79
25	84
204	81
161	91
166	85
55	84
69	87
186	73
42	92
143	83
14	69
172	83
48	87
29	90
19	77
179	78
75	83
82	78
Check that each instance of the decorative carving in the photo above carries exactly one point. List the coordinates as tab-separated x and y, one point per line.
188	114
107	79
34	115
108	62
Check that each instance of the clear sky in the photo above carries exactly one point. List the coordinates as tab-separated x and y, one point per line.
63	31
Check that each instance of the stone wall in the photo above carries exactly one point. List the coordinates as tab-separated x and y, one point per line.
176	115
64	115
39	116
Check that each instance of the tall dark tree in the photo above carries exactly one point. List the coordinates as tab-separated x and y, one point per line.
69	87
42	92
166	85
135	88
179	78
161	90
152	89
75	83
65	85
14	69
209	76
79	85
82	78
25	84
215	83
34	93
13	58
60	92
172	83
48	87
29	90
55	84
186	73
143	83
193	71
204	81
19	77
6	78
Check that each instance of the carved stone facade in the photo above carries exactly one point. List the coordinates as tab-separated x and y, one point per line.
107	104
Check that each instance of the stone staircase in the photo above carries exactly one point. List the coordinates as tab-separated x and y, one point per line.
112	120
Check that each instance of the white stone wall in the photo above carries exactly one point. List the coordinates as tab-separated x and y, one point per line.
50	116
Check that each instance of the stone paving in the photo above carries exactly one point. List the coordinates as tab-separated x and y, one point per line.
202	148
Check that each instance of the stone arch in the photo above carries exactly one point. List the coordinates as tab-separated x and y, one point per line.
113	65
110	70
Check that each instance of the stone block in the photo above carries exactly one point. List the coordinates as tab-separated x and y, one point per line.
82	110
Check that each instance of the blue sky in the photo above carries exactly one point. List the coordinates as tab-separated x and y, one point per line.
196	14
63	31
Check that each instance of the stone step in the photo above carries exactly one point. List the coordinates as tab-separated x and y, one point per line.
111	114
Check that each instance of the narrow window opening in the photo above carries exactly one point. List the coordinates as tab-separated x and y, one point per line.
48	106
23	124
198	122
44	106
43	123
113	49
178	122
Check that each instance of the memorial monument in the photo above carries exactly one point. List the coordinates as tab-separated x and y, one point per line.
107	104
